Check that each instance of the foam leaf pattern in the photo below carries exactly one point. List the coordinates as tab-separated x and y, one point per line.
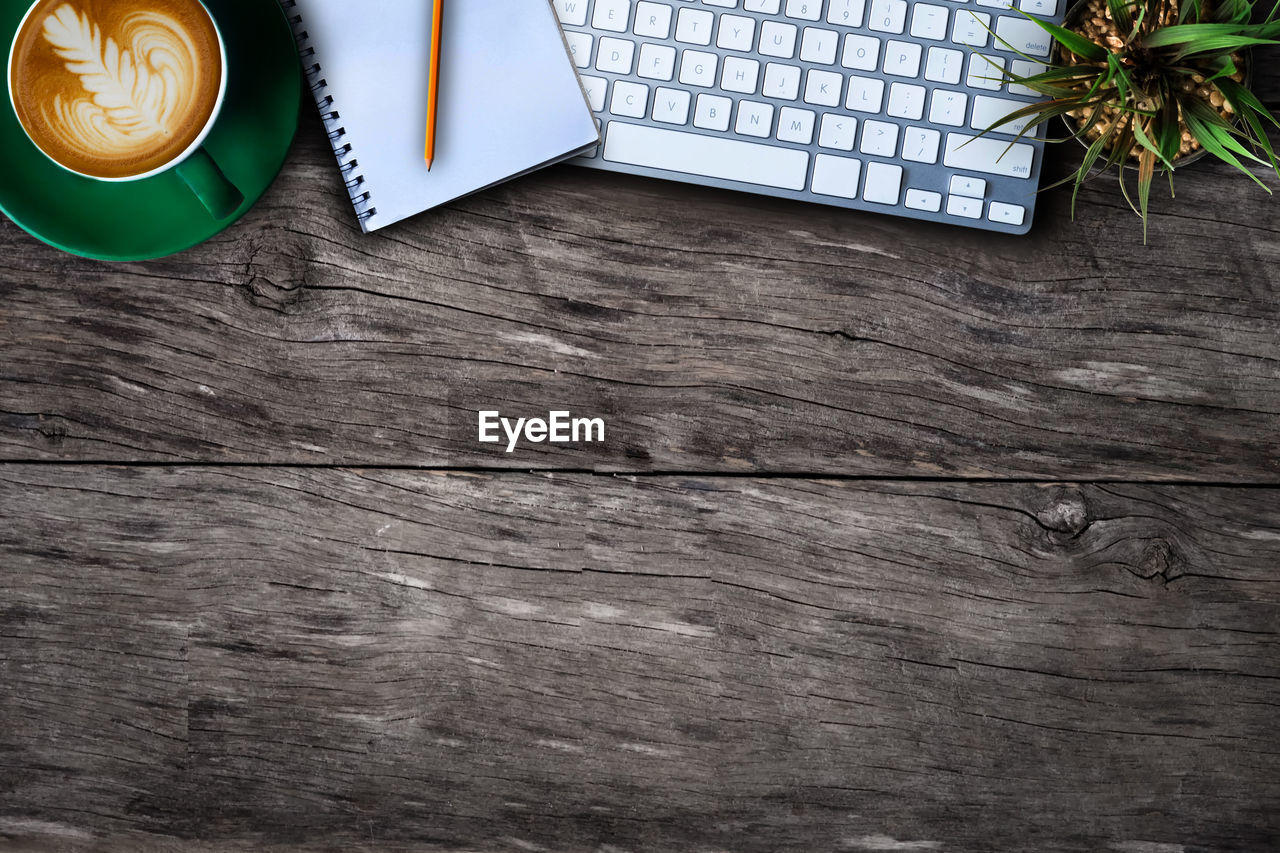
130	95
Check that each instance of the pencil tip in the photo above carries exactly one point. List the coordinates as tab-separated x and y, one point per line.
429	162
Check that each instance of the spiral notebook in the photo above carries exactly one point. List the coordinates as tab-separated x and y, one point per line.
509	98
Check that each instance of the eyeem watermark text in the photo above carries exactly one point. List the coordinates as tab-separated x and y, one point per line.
557	428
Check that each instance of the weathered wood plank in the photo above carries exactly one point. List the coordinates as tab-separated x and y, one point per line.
714	331
235	657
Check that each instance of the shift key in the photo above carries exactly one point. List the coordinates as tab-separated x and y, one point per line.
1023	36
992	156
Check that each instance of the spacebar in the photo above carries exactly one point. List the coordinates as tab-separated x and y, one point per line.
709	156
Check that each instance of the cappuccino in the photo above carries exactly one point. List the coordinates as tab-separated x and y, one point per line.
116	89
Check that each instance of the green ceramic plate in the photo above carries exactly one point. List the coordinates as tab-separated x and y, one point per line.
159	216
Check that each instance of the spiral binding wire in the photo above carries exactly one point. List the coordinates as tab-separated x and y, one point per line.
347	162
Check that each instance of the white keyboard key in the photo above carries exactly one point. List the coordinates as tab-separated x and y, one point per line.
723	4
670	106
629	99
712	112
990	156
657	61
572	12
884	183
987	111
879	138
866	94
694	26
819	46
836	176
579	47
615	56
823	88
709	156
808	10
1009	214
781	81
924	200
906	101
970	28
778	39
920	144
969	208
948	107
995	4
968	186
846	13
768	7
888	16
985	72
1022	35
754	119
1044	8
736	33
611	15
652	20
740	75
861	53
795	125
902	59
837	132
698	68
595	88
929	22
943	65
1023	68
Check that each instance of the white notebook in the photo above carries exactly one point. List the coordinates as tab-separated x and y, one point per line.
510	100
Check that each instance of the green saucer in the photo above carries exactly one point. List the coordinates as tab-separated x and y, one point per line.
159	216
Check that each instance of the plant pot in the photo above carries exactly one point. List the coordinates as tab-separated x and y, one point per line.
1071	21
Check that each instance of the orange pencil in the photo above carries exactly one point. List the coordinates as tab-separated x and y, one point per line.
433	86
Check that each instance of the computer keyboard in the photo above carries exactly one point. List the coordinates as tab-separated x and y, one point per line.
868	104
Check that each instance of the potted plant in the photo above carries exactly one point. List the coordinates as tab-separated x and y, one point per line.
1148	85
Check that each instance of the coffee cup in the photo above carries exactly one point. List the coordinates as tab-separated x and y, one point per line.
124	90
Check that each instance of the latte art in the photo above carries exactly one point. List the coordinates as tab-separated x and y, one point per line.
127	103
114	88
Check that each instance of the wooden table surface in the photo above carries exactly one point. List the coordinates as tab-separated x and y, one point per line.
902	538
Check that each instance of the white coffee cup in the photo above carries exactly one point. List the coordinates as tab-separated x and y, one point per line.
193	164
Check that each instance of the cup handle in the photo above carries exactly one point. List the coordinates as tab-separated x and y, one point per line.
203	177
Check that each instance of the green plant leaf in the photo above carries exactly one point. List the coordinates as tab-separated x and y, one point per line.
1251	110
1091	157
1223	66
1214	137
1072	41
1047	82
1240	97
1221	44
1122	15
1170	132
1234	11
1118	77
1184	33
1146	171
1147	143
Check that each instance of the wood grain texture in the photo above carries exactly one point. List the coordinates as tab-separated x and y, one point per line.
714	331
231	658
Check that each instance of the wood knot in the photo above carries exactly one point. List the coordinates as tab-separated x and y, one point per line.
275	272
1160	559
1067	513
51	428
